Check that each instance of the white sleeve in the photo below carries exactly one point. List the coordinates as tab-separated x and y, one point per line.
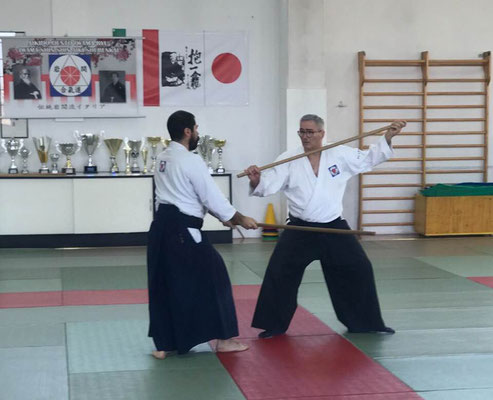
209	194
359	161
271	180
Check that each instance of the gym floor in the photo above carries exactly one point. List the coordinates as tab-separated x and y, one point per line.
73	325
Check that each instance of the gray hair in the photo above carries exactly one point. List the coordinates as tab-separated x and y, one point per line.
315	118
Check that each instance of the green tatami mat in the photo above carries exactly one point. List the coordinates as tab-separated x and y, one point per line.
30	273
241	248
430	247
104	278
53	315
30	285
172	384
31	373
413	319
462	265
315	295
240	274
411	343
488	249
124	346
440	373
32	335
455	284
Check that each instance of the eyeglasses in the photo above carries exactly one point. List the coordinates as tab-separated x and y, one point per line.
308	133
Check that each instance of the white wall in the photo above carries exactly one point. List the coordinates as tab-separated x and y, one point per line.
393	29
252	132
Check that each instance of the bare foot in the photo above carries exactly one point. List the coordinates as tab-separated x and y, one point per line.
229	345
160	355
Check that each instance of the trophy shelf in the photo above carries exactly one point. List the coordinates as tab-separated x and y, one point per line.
43	210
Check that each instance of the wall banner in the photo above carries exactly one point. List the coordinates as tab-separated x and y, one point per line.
69	77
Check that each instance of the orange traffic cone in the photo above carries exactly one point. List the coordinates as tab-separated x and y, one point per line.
269	234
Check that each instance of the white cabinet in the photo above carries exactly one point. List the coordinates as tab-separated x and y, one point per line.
75	205
211	223
36	206
57	211
112	205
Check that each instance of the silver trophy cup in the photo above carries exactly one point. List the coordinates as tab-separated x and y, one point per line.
12	147
153	142
54	157
135	147
25	153
205	147
42	145
68	150
90	142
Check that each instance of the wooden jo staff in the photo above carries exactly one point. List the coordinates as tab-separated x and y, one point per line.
329	146
314	229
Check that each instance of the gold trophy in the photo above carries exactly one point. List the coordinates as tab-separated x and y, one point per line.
113	146
144	151
220	144
127	150
165	142
154	142
42	145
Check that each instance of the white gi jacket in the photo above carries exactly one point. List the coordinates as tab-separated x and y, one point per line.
182	179
319	198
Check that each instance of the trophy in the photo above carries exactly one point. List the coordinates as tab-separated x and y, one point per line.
220	144
113	146
144	151
165	142
42	145
54	157
25	153
90	142
68	150
154	142
12	146
135	147
206	147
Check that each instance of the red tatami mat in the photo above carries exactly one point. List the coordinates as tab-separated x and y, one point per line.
309	362
30	299
305	324
382	396
99	297
484	280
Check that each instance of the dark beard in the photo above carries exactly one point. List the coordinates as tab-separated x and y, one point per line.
192	145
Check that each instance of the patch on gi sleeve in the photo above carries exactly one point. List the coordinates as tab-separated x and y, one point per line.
334	170
162	166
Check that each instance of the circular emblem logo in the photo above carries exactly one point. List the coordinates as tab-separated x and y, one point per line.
70	75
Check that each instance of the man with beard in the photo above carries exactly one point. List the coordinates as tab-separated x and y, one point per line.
190	296
24	88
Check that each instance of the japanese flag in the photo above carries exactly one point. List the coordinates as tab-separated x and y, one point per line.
226	68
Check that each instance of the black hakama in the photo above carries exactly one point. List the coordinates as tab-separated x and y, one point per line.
347	271
190	295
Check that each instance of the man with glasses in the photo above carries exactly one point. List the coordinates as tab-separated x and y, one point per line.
314	187
24	88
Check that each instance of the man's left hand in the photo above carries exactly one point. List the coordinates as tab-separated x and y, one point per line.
394	129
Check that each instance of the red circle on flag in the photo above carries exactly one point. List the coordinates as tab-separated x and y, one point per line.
70	75
226	68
